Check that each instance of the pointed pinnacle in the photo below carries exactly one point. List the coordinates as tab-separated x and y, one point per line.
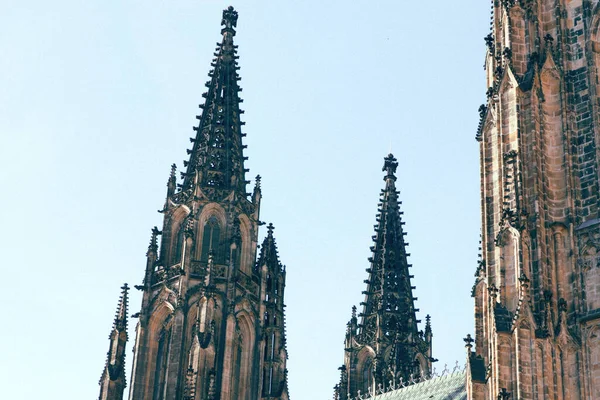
153	246
121	315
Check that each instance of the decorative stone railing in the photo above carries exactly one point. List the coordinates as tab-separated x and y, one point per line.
410	382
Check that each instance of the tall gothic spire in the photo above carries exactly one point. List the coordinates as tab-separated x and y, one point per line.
112	382
216	159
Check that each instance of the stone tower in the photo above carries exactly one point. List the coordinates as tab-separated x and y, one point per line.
386	346
211	325
537	292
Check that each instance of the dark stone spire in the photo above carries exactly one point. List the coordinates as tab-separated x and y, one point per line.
216	160
112	382
388	319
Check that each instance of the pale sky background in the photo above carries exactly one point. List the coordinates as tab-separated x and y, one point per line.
98	98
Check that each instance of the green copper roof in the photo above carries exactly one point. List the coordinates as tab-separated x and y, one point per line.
447	387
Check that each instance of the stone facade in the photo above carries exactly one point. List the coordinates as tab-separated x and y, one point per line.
211	325
537	292
385	349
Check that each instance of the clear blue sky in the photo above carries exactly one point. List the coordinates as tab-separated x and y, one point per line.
98	98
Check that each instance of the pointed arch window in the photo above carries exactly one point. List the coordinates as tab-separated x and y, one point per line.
367	375
210	238
179	244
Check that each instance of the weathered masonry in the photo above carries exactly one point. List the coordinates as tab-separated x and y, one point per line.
537	292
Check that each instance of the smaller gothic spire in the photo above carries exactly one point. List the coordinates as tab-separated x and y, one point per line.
268	251
172	183
112	382
427	325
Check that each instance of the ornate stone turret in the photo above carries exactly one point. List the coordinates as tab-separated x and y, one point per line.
386	345
211	325
113	382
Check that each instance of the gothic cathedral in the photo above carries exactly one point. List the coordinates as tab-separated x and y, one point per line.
211	325
537	293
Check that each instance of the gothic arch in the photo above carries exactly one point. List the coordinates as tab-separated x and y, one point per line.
243	354
423	366
159	329
212	215
245	306
364	378
212	210
177	228
246	256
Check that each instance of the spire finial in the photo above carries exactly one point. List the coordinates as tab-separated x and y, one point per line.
258	180
270	229
230	17
389	166
468	341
